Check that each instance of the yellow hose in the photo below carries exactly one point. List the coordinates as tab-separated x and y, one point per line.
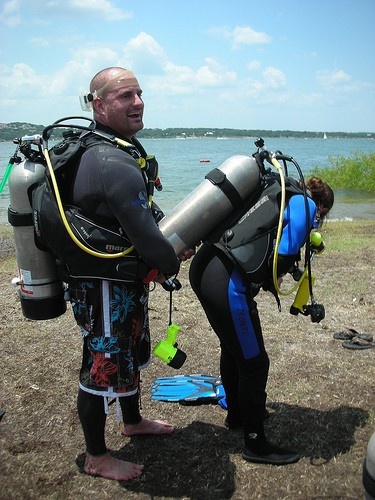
66	223
278	167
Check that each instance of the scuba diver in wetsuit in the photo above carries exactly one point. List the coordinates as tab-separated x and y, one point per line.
113	315
226	294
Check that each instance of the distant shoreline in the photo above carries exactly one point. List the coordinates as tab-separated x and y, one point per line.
8	131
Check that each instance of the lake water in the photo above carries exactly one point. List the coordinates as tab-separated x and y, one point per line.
181	167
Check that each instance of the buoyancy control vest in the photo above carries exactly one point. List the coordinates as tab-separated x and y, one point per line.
103	235
247	237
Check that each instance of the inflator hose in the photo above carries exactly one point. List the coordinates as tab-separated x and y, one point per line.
278	167
120	142
66	223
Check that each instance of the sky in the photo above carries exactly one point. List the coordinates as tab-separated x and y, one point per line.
303	65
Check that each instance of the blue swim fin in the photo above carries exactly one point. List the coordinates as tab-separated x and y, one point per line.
188	389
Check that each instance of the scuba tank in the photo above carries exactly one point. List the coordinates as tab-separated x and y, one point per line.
40	290
223	190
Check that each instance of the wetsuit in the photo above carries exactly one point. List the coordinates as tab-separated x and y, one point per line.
227	297
113	315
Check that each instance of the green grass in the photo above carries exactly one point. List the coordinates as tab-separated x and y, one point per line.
346	237
354	172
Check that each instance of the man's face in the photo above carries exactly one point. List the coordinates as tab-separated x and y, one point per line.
120	106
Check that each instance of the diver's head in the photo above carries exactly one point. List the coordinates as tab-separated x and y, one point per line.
116	99
322	195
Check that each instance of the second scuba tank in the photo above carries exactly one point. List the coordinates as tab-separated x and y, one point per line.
40	290
223	190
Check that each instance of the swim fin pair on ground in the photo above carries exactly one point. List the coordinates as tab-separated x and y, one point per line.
193	389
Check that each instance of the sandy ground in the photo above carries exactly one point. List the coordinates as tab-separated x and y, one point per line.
320	395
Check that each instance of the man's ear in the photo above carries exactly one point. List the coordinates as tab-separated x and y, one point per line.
98	106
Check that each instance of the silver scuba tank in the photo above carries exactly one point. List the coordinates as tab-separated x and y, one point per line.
40	290
210	202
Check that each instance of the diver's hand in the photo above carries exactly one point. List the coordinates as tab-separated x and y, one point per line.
160	278
187	254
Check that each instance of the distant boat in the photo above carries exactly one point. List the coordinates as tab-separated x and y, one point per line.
325	136
204	160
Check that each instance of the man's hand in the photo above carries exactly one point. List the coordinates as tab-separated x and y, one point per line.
187	254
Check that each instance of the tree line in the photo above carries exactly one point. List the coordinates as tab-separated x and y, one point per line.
9	131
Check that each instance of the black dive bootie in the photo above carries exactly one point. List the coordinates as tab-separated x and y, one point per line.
258	450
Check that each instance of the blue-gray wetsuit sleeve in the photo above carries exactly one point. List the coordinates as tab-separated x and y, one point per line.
110	183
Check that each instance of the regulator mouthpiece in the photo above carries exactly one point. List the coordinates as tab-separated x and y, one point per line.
300	304
316	242
167	349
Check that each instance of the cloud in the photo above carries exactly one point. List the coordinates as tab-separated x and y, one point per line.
253	65
39	42
87	9
160	77
340	81
329	79
242	36
10	6
9	14
274	78
270	87
213	74
21	81
149	61
248	36
98	8
177	79
143	54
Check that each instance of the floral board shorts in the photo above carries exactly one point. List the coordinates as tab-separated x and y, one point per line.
114	322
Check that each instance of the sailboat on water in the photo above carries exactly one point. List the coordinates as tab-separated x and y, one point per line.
325	136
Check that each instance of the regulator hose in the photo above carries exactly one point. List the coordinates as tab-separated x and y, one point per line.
66	223
279	169
117	141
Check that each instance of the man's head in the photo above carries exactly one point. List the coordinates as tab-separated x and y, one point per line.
118	101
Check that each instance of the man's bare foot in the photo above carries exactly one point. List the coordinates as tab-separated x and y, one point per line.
146	426
111	468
